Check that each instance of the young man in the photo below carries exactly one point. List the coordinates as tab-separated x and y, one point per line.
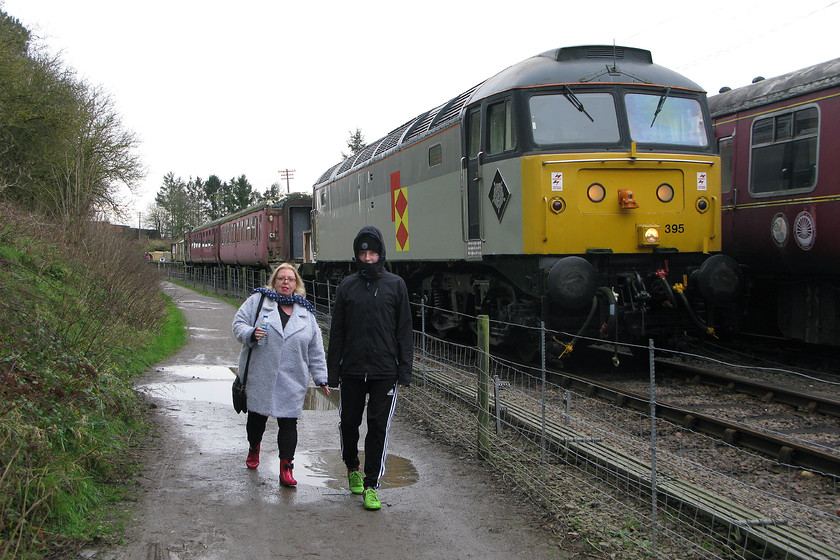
370	354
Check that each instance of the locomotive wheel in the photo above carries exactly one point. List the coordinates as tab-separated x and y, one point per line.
527	343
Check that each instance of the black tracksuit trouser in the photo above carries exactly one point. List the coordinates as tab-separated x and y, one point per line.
381	397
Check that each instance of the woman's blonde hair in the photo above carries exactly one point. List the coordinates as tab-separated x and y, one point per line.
299	287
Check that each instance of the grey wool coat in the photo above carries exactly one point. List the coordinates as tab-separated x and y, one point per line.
279	371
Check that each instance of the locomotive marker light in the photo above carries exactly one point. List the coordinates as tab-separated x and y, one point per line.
665	192
596	192
557	205
702	204
647	235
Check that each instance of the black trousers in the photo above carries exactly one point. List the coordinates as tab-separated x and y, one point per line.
286	434
381	398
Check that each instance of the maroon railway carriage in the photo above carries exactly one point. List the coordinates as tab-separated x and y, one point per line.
262	235
203	244
780	184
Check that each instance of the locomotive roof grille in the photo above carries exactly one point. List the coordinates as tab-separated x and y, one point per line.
367	153
392	139
327	173
347	164
421	124
452	109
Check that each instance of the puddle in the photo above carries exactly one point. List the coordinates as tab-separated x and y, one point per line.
210	391
212	384
199	372
325	469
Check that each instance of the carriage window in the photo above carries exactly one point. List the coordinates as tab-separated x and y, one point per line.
435	155
660	119
557	119
500	126
784	152
725	148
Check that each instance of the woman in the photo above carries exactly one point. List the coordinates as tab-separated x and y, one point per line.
279	369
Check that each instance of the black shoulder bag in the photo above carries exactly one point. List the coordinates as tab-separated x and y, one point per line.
240	403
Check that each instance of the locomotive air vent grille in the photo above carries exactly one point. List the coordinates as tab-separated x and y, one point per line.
367	153
391	140
347	164
328	173
421	124
605	52
452	109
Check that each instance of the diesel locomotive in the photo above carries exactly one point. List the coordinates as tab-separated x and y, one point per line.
579	187
780	180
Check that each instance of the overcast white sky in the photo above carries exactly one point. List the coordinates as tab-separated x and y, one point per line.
256	86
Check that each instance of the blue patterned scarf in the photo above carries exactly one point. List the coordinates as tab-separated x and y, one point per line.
284	300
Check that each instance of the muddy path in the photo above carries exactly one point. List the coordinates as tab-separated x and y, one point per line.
195	499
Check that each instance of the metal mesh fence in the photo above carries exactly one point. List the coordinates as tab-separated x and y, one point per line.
647	487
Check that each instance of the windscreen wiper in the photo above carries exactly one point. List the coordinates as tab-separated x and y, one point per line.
660	104
570	95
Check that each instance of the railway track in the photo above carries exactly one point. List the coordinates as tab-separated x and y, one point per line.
785	450
743	524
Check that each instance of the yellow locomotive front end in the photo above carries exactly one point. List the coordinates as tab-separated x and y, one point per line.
596	202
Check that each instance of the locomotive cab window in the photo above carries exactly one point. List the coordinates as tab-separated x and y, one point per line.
574	118
784	152
662	119
500	127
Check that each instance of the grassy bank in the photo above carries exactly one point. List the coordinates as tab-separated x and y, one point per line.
77	324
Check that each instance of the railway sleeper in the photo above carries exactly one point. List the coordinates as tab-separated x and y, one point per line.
746	526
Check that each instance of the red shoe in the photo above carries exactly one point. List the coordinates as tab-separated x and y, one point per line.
286	478
253	460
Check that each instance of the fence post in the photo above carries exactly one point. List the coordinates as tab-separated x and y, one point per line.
653	477
483	344
423	339
542	395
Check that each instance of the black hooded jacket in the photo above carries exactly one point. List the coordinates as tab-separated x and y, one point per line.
371	336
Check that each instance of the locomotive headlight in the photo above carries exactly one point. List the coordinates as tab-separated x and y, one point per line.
702	204
647	235
596	192
556	205
665	192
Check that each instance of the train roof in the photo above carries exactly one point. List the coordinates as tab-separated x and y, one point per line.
567	65
278	203
800	82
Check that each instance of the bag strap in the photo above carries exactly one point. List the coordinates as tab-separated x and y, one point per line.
248	361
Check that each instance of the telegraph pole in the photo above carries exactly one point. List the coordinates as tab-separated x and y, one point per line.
287	174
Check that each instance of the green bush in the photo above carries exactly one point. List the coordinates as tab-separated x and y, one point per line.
77	323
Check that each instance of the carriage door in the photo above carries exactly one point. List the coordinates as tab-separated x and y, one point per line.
299	218
472	218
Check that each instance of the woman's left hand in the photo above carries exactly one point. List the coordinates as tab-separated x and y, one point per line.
325	389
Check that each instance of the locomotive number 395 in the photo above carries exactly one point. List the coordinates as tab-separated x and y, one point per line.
674	228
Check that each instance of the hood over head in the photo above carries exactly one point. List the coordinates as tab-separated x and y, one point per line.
369	238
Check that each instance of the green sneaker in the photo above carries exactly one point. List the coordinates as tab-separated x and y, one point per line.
357	484
371	499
